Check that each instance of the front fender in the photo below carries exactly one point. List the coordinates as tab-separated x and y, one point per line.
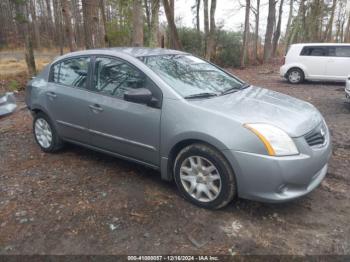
166	172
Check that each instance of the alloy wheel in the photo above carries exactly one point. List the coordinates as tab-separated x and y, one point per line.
200	178
43	132
294	77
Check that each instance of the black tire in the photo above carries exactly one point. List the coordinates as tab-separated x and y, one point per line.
292	73
228	182
56	142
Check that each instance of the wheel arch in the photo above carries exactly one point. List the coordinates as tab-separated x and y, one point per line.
300	67
37	109
167	162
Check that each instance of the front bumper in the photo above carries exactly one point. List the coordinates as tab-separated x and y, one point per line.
279	179
347	91
283	71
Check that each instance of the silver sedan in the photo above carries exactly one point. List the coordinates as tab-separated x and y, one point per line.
217	137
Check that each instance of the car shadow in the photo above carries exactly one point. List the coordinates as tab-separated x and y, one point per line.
122	165
146	175
328	83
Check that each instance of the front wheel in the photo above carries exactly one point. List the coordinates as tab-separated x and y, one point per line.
204	177
295	76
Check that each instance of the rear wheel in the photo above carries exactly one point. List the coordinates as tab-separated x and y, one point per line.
45	133
204	177
295	76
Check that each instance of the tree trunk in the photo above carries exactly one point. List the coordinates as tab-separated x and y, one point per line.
67	15
212	32
198	7
35	23
154	42
78	28
148	6
271	20
347	30
21	11
91	24
245	34
50	24
137	23
329	28
206	27
277	33
169	12
256	36
289	23
104	36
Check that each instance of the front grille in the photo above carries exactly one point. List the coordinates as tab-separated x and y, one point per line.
317	136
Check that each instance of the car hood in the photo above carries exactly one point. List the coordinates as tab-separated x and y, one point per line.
259	105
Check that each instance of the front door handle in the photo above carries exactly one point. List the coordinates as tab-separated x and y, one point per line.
96	107
51	94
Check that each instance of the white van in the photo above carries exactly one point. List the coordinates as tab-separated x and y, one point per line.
329	62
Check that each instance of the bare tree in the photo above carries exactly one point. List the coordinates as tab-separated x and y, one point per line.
21	11
198	7
169	12
147	4
277	34
206	26
58	24
67	15
212	32
347	30
104	37
256	12
154	23
35	23
137	22
78	28
329	29
289	23
245	34
50	24
271	20
91	23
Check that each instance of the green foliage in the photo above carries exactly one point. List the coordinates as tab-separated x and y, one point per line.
228	45
20	18
118	35
192	40
228	49
120	27
13	85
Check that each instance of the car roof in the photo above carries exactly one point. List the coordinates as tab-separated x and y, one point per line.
132	51
321	44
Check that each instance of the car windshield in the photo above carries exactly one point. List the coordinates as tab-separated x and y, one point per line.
190	76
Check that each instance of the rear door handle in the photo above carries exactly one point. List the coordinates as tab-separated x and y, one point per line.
96	107
51	94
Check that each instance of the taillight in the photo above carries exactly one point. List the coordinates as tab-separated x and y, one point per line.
284	60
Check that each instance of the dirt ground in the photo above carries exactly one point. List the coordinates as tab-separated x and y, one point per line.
82	202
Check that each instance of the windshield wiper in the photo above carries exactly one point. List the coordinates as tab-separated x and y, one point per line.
201	95
234	89
245	85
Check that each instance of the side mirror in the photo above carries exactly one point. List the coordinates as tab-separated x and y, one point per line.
140	95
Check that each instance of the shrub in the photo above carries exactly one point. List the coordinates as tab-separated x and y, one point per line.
192	40
228	48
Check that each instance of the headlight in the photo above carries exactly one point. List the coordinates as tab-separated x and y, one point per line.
276	141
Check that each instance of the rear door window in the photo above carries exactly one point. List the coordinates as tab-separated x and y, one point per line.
314	51
72	72
342	51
